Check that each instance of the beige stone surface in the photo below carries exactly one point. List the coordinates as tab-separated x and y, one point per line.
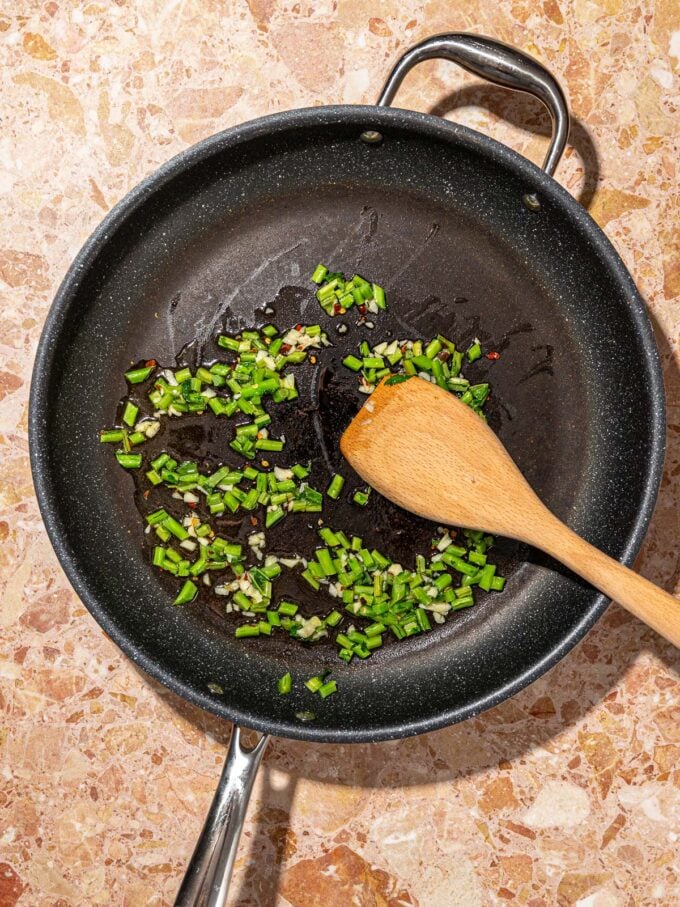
567	795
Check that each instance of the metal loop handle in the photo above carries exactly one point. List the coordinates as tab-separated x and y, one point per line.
206	881
498	63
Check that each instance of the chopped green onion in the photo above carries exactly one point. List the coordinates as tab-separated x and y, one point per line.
129	461
187	593
474	351
327	689
314	684
285	684
335	486
351	362
137	375
361	496
246	630
319	275
130	413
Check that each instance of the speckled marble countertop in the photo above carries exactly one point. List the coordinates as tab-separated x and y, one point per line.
568	794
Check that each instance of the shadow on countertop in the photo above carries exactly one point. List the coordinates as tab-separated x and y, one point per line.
528	113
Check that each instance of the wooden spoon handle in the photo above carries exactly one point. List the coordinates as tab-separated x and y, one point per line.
651	604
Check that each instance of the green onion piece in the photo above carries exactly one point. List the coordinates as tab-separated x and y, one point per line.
351	362
361	497
137	375
268	444
247	630
171	524
335	486
289	609
486	577
111	436
327	689
474	351
187	593
497	583
433	347
228	343
313	582
326	561
129	461
329	537
130	413
285	684
314	684
379	297
423	620
319	275
275	515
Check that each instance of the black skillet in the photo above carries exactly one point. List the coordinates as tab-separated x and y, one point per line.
468	238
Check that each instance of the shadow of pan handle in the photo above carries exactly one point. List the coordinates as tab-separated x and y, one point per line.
206	882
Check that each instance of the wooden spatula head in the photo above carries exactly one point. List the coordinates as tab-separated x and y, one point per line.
422	448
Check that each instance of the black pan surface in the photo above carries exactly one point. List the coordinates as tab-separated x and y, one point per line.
434	212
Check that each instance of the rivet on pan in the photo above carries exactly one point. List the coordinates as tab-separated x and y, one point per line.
371	137
531	201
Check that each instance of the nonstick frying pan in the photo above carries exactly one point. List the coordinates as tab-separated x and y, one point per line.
470	239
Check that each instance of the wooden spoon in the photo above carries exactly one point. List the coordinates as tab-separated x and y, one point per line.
422	448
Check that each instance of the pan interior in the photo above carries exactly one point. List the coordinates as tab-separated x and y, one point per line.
437	218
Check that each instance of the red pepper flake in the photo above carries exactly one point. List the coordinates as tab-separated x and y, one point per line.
285	348
253	521
337	308
362	309
493	355
191	504
298	327
146	494
150	363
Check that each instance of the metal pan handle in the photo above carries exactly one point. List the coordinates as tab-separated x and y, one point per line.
206	882
498	63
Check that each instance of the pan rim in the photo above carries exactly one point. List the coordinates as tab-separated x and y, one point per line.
363	116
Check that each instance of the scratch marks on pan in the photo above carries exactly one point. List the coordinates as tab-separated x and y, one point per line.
543	365
205	330
434	302
170	318
431	233
370	220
